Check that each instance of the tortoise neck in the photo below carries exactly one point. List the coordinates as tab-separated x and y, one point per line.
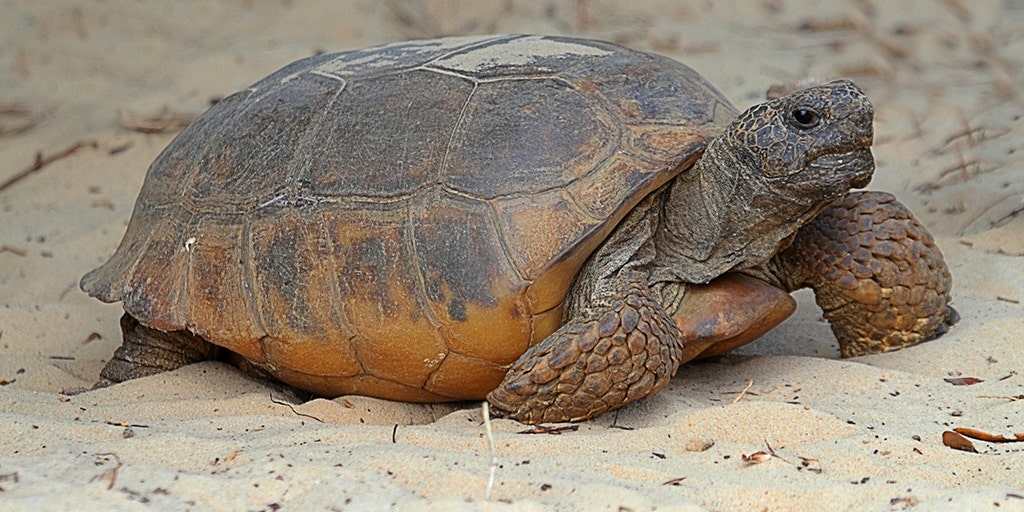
720	215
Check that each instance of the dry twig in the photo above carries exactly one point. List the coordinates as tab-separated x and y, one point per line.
974	433
775	454
164	121
110	474
292	407
743	393
42	161
756	457
486	411
16	118
674	481
13	250
1004	397
963	381
544	429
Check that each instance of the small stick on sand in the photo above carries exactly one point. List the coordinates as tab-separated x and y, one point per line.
292	407
13	250
486	411
111	474
1003	397
775	454
992	438
544	429
743	393
165	121
42	161
16	119
756	457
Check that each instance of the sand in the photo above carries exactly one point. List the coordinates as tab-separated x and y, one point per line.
858	434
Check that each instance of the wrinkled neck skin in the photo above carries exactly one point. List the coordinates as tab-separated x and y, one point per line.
695	229
722	215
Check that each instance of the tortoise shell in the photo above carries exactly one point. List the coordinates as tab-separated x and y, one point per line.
404	221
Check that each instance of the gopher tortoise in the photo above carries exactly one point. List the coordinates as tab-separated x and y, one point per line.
555	224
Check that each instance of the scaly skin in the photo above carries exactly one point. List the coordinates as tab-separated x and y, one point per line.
592	365
876	273
147	351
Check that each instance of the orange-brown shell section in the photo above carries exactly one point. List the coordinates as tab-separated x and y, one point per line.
404	221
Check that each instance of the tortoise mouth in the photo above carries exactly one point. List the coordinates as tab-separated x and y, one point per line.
855	167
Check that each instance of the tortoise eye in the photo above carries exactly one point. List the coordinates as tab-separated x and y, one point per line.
805	118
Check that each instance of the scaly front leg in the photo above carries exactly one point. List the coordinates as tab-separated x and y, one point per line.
626	348
876	272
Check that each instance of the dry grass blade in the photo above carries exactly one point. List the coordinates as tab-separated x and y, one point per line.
294	411
779	90
125	424
486	411
963	381
110	475
810	464
1004	397
776	454
41	162
544	429
743	393
756	457
164	121
980	435
415	18
16	118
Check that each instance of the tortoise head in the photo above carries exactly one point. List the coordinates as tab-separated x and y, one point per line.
771	171
813	143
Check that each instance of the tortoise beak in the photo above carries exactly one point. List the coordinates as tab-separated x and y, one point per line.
853	167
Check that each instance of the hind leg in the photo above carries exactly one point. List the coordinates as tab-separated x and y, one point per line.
146	351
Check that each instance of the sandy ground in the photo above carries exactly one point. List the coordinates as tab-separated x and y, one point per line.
860	434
